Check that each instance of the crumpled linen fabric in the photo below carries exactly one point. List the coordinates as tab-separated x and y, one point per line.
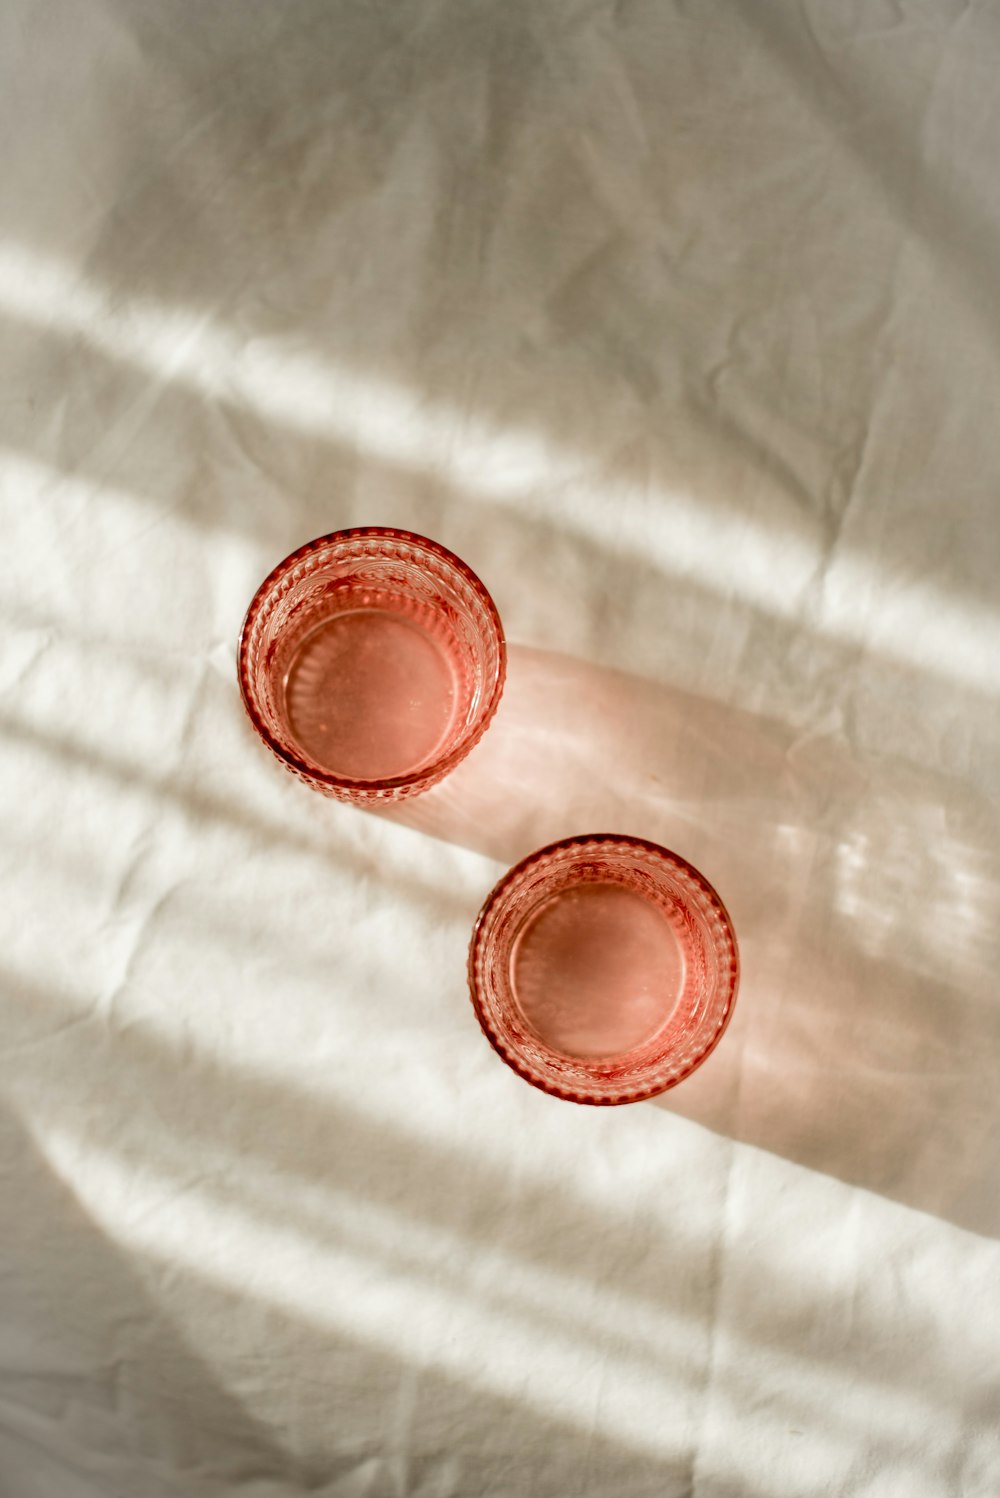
681	324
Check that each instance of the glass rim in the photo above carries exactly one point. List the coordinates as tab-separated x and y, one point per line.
626	842
437	768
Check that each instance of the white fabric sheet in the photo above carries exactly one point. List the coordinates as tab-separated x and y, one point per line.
681	323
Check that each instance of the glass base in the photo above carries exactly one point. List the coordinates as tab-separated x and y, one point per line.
597	971
370	694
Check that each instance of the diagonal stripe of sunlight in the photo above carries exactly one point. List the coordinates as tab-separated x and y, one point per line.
333	1286
917	623
344	1288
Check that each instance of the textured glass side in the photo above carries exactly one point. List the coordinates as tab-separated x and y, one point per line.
700	921
345	570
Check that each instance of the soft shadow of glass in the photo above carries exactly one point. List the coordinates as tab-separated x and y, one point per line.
863	894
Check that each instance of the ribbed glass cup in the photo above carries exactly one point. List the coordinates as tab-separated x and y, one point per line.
371	661
603	969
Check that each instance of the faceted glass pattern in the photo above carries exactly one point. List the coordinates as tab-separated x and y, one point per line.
603	969
370	662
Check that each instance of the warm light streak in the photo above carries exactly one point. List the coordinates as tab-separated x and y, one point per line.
848	598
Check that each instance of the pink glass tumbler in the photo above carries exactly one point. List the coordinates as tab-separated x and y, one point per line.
603	969
371	661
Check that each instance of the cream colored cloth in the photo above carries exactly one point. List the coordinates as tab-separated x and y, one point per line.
680	323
